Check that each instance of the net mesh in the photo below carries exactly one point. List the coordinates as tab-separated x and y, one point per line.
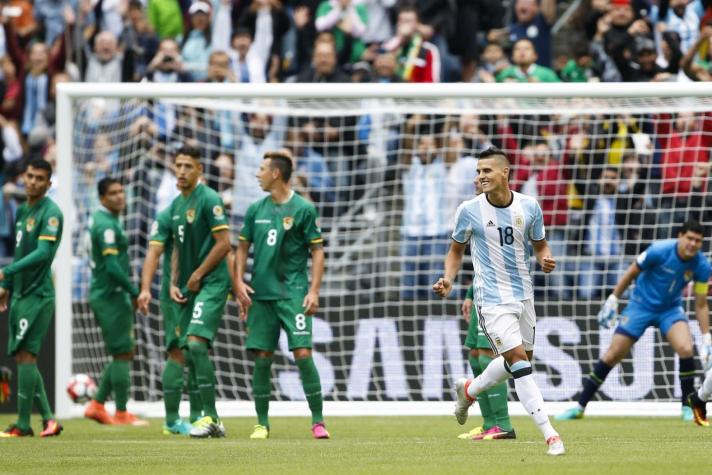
386	175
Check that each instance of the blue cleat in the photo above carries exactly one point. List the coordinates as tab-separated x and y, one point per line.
179	427
570	414
687	414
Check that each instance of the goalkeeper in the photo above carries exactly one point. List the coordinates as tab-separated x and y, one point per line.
661	273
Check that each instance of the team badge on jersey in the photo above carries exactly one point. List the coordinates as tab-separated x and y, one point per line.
30	224
287	223
519	221
53	223
217	211
190	216
688	275
109	236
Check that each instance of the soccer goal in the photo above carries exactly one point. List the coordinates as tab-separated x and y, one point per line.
614	166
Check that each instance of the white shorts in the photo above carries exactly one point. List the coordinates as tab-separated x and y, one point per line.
509	325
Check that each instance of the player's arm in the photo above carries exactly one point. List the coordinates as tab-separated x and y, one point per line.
40	256
150	266
609	312
174	291
311	300
542	252
628	277
453	261
215	256
240	288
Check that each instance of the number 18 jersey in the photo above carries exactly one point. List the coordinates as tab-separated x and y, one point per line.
282	235
499	242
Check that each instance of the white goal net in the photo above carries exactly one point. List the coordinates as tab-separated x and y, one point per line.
386	167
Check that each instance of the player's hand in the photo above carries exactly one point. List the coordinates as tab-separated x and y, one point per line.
241	311
2	275
442	287
3	299
706	352
608	315
467	310
548	264
176	295
144	298
311	303
194	281
243	293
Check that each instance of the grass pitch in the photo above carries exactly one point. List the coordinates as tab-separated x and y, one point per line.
368	445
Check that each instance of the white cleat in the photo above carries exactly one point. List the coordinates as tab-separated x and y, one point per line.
206	427
556	446
463	402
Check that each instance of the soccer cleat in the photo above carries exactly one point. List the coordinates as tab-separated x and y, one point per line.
699	409
469	435
51	428
125	418
570	414
463	400
319	431
556	446
14	431
686	414
96	411
179	427
260	432
495	433
206	427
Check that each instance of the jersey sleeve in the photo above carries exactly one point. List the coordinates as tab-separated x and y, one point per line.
161	229
51	226
536	230
463	228
215	213
650	257
106	239
312	231
702	277
248	225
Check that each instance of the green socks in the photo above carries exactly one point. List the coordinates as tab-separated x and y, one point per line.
120	382
261	388
196	404
41	398
172	380
496	397
482	399
26	383
104	385
312	387
205	376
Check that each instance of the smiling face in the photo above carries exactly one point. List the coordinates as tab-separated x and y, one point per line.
493	174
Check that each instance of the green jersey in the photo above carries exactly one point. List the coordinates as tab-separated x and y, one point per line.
282	235
38	231
194	219
161	235
541	73
109	257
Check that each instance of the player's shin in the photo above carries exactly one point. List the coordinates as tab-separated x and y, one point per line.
172	380
594	380
26	382
196	403
104	385
485	408
312	387
495	373
120	382
261	388
496	400
41	398
530	397
687	377
205	375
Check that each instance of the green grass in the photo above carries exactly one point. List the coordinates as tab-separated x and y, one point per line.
389	445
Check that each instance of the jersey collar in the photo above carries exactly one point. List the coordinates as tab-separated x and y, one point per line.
511	200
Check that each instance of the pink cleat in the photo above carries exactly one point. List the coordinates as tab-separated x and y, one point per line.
319	431
495	433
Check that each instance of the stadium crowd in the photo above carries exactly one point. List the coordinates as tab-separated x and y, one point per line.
607	185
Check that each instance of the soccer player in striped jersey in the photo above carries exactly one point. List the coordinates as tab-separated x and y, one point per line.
499	223
38	230
661	273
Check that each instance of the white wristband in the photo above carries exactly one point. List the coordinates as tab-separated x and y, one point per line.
707	339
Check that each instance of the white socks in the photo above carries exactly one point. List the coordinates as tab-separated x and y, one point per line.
530	397
494	373
705	391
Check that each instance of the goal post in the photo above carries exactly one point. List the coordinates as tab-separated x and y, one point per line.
377	341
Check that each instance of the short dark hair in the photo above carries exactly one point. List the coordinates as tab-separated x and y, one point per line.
241	31
491	152
105	183
407	7
282	161
192	152
41	164
693	226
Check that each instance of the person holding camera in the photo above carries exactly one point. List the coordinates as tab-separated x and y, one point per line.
167	65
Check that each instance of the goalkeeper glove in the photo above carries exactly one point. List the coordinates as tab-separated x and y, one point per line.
608	315
706	352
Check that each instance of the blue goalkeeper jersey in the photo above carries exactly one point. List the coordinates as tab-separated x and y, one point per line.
664	276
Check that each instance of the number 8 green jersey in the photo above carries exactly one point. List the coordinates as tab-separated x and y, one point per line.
282	235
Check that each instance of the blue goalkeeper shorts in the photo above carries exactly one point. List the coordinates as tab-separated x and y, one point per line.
636	318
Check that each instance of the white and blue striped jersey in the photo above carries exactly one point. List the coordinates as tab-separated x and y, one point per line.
499	241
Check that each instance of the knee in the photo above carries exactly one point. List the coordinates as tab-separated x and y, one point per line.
128	356
302	353
176	355
263	354
474	353
24	357
685	351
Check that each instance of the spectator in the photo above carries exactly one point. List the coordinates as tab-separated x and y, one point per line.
166	18
105	64
219	69
139	40
643	66
581	68
697	67
378	26
245	64
384	68
195	48
313	171
11	107
418	60
524	68
325	67
532	22
51	15
24	22
681	17
167	65
492	62
346	21
268	24
109	15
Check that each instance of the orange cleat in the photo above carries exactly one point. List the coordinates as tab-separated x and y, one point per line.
95	410
125	418
51	428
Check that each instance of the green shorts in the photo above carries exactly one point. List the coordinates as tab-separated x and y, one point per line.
267	316
171	323
29	320
475	338
115	316
202	313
